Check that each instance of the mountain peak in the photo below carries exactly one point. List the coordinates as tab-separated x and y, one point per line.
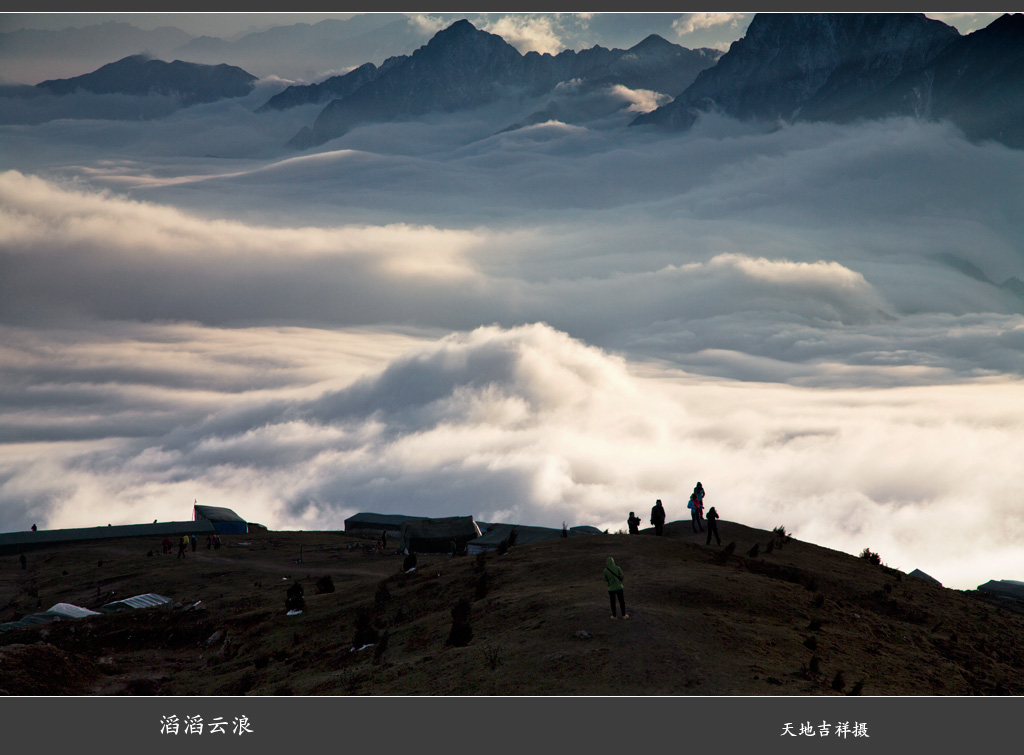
652	42
1007	24
463	35
462	26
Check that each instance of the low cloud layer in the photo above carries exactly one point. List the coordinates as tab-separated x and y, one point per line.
562	322
301	428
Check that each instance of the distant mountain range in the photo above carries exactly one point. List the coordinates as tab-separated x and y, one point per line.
295	52
190	83
301	51
55	54
787	68
462	67
846	67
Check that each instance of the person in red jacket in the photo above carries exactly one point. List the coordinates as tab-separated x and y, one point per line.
694	507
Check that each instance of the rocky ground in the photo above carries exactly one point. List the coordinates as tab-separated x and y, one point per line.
791	618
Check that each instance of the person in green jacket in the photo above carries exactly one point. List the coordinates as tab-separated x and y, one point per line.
613	576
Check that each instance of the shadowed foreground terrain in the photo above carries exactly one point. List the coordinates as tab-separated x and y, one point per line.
794	619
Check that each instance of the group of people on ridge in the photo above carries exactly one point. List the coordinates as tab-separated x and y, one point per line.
697	518
189	541
613	573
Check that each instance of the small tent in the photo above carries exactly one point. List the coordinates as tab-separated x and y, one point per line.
57	612
224	521
148	600
437	535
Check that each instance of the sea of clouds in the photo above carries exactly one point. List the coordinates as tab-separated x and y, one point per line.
558	323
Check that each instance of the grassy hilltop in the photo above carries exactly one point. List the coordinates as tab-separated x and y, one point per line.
791	619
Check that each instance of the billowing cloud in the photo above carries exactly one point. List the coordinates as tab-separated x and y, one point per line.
641	100
692	22
526	312
523	424
427	23
527	32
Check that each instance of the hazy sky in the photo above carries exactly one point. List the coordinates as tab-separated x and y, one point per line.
557	323
716	29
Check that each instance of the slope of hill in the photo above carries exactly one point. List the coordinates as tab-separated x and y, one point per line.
791	619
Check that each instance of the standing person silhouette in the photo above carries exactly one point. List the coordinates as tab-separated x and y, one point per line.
658	517
614	575
634	524
712	521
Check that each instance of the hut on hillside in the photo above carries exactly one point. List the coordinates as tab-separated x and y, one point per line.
437	535
1004	588
224	521
374	524
926	577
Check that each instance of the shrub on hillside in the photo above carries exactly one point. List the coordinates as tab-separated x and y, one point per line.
815	665
868	555
838	681
722	557
382	649
492	655
366	633
382	596
461	632
480	587
324	585
295	600
480	562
